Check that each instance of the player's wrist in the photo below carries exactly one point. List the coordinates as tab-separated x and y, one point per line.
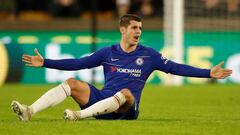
43	63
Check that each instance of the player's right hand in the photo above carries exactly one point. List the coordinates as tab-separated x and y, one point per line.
33	61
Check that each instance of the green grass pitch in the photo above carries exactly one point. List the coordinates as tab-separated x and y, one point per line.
191	109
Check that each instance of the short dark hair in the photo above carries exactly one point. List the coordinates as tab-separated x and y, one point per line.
125	20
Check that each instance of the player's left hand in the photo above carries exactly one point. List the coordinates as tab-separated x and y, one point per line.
218	72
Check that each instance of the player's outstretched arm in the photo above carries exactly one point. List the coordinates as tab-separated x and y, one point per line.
33	61
218	72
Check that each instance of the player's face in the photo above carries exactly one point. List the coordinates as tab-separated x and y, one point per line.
132	33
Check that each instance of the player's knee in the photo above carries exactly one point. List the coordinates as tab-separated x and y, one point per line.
128	96
72	82
79	90
75	85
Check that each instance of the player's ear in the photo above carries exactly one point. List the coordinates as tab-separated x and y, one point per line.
122	30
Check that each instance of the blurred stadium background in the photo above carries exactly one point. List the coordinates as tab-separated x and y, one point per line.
196	32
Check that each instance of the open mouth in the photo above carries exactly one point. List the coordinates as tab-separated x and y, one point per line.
136	37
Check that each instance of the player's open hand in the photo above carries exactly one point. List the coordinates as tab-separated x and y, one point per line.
218	72
33	61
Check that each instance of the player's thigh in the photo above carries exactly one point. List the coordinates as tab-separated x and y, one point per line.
80	90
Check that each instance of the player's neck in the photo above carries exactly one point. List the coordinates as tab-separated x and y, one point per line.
127	47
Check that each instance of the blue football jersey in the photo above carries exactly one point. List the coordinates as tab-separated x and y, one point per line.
127	70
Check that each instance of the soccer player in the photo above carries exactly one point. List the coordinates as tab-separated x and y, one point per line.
127	65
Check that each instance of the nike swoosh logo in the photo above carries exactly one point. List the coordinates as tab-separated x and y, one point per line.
114	59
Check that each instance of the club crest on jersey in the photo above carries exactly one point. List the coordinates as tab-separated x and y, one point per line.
139	61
